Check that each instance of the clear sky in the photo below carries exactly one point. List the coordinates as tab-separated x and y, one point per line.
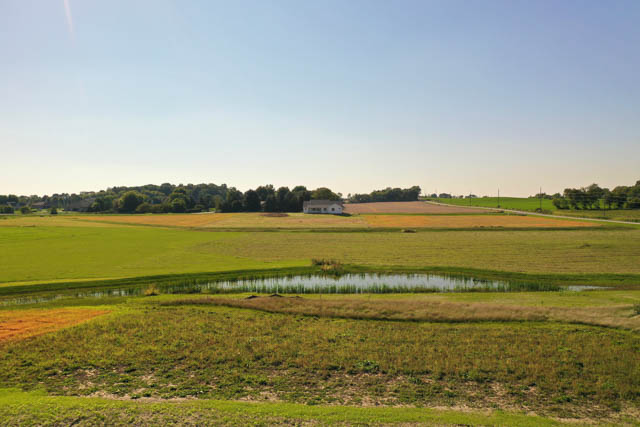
457	96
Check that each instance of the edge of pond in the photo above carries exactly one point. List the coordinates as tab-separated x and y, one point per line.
608	280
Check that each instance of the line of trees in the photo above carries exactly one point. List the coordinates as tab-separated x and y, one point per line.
171	198
591	197
388	195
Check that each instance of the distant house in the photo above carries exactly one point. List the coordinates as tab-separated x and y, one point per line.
81	205
39	205
323	207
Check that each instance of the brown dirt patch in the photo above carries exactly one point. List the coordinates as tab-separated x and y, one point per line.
407	207
20	324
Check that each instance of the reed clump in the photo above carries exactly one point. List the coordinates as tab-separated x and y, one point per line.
327	265
152	290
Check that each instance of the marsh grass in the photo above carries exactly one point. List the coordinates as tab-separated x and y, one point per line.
151	290
218	352
427	311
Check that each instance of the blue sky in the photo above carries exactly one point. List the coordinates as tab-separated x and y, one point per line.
457	96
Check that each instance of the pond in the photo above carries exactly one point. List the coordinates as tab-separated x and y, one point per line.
314	284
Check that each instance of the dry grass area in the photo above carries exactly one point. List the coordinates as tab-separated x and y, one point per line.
236	220
471	221
49	221
304	221
407	207
168	220
20	324
619	316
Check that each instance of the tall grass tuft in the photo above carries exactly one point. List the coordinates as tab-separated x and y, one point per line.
152	290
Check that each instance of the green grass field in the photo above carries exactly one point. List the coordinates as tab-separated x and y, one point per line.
521	358
531	204
32	254
516	203
35	408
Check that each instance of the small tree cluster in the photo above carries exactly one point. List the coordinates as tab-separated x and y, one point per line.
388	195
591	197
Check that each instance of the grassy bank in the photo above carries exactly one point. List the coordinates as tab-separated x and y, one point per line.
144	349
20	408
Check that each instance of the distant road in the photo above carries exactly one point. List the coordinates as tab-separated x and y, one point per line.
613	221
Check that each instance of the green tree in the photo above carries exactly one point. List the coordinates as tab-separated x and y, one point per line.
130	201
251	201
178	205
323	193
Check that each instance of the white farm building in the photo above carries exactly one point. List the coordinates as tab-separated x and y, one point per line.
322	207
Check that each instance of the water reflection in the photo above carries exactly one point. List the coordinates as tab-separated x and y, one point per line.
315	284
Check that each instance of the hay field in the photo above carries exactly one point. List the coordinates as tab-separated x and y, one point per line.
19	324
407	207
471	221
304	221
234	220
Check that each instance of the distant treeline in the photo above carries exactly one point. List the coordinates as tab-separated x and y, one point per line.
171	198
388	195
591	197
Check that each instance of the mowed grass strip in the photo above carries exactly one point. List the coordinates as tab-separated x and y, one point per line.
20	324
225	353
621	316
33	408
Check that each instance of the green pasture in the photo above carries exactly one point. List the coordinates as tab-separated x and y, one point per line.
515	203
19	408
50	254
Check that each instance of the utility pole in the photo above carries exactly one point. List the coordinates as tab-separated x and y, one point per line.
540	194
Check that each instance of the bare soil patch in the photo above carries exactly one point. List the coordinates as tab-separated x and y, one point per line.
20	324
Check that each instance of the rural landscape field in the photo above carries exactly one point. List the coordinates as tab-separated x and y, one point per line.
319	213
108	318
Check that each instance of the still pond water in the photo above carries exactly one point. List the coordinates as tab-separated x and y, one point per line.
315	284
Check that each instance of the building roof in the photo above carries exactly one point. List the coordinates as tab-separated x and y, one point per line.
320	203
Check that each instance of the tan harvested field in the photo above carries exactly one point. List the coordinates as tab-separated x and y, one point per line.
19	324
49	221
167	220
304	221
471	221
407	207
236	220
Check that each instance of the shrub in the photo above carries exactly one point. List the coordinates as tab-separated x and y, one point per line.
25	210
53	211
6	209
144	208
560	203
152	290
